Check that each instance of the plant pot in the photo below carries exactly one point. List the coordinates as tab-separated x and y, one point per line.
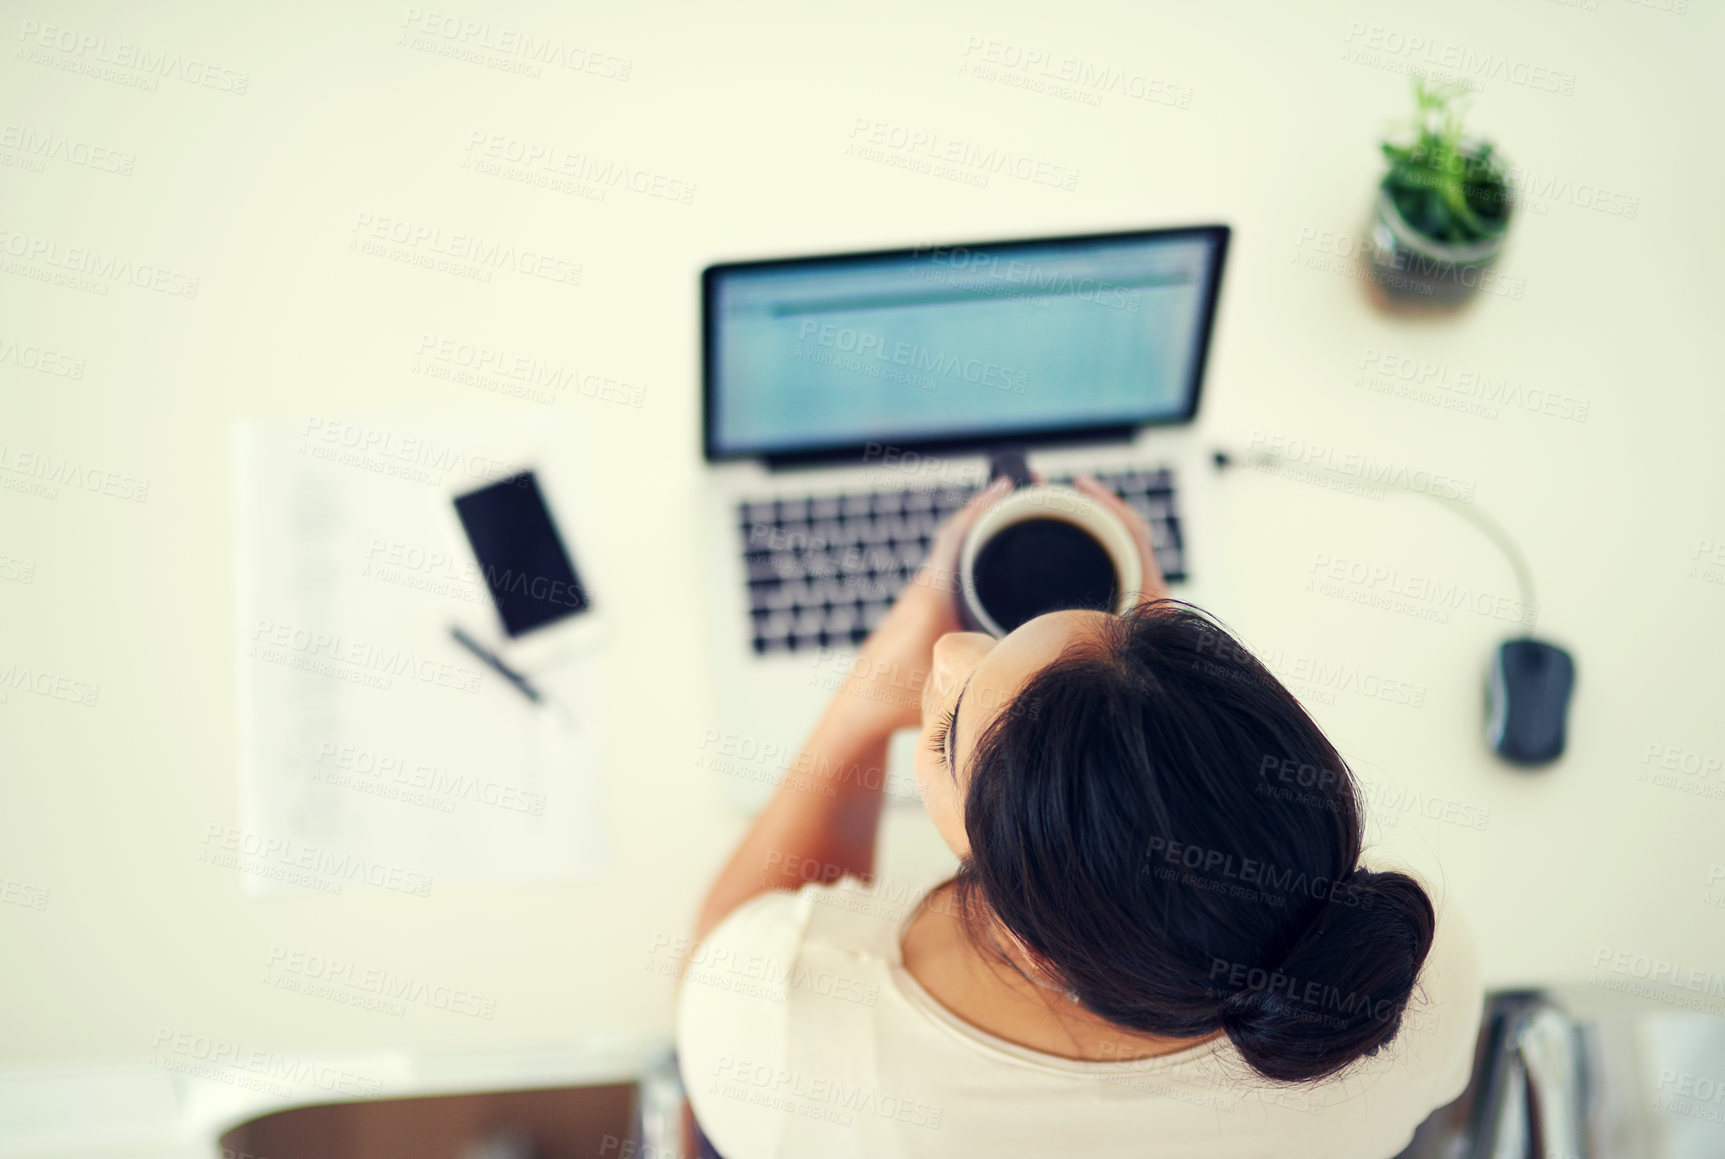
1410	265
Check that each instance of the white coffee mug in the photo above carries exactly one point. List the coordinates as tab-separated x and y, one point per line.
1048	501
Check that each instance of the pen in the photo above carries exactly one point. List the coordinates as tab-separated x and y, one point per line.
521	684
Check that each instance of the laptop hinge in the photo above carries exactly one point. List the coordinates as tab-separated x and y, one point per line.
876	454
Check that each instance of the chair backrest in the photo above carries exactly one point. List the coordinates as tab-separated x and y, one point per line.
665	1126
1528	1095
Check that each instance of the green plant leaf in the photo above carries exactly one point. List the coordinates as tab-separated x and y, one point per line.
1439	188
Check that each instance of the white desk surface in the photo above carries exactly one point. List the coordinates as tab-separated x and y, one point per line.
1264	116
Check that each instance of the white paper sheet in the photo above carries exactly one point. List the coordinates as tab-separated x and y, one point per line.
375	752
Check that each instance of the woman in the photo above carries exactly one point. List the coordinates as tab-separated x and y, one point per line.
1159	939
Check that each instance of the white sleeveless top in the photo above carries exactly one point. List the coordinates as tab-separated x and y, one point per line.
800	1034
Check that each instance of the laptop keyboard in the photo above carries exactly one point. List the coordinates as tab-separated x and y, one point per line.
823	569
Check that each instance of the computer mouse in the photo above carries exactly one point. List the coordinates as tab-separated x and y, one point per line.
1527	701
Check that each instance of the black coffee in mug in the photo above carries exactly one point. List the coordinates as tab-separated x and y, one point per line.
1042	565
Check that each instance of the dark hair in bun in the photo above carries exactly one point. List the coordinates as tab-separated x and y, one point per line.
1160	822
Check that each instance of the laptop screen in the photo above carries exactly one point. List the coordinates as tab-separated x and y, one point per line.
947	345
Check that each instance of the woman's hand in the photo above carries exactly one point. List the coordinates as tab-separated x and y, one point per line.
1153	586
896	659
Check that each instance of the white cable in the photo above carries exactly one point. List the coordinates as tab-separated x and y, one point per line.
1483	522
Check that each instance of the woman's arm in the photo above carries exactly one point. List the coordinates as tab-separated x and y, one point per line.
821	821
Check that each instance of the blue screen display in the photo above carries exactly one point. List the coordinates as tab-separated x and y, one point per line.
956	342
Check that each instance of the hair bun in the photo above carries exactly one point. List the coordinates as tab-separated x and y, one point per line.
1340	992
1246	1010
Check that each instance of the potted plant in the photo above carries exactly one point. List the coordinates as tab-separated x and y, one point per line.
1443	206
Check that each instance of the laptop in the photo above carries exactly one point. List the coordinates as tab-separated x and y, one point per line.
850	402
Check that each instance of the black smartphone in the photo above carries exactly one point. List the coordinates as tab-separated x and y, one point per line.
526	565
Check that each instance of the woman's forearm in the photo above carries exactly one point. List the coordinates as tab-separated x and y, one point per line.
822	820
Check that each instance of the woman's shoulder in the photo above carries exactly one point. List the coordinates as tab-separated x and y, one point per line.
1451	968
817	958
1440	1025
868	917
864	918
782	940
